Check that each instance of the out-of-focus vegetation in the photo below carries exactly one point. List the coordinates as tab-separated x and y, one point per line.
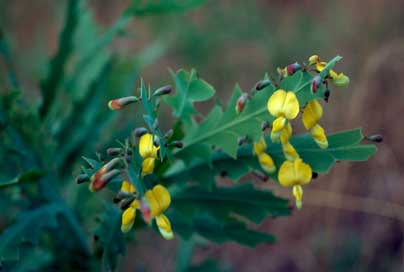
352	222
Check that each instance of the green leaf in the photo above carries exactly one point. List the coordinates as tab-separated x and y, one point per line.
27	229
28	176
220	231
223	129
110	237
50	84
148	7
242	200
190	89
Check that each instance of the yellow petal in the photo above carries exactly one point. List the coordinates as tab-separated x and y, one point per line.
275	103
260	147
289	152
312	114
341	80
127	187
148	166
128	218
267	163
163	197
147	147
313	59
298	194
319	136
286	133
158	200
294	173
320	66
278	124
164	226
135	204
291	106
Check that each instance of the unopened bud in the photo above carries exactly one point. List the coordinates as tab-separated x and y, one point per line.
114	151
140	131
126	202
377	138
156	124
327	94
293	68
120	103
265	125
82	178
314	175
315	84
163	91
262	84
100	179
112	164
241	101
178	144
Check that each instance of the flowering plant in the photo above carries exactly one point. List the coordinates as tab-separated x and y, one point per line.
171	176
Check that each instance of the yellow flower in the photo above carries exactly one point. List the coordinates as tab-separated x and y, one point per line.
296	174
266	163
127	187
129	215
284	106
153	205
286	133
149	152
260	147
311	115
319	136
338	79
289	152
147	147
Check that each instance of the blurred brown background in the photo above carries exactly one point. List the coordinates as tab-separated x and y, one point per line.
353	218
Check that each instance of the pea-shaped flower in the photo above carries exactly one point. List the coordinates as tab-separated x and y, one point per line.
295	173
284	106
129	215
265	160
311	115
153	205
338	79
149	152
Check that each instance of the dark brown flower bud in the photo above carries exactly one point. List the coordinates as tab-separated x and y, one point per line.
82	178
262	84
315	84
163	91
140	131
377	138
114	151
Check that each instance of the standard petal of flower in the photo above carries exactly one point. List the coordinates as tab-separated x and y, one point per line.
275	103
164	225
294	173
163	197
147	147
291	106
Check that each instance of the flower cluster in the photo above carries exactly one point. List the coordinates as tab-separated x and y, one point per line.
285	107
152	206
